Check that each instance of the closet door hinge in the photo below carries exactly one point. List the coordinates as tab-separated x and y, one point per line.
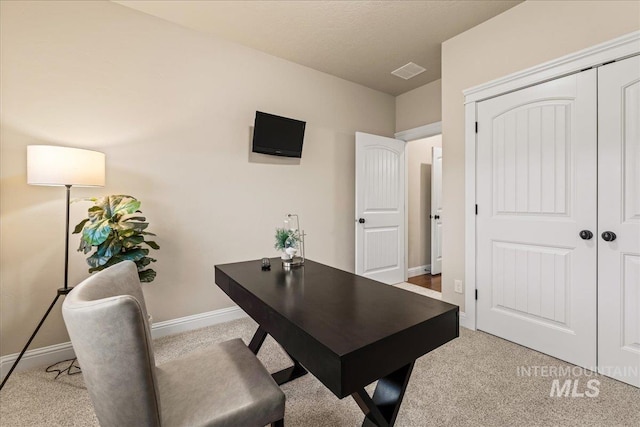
476	294
476	209
476	127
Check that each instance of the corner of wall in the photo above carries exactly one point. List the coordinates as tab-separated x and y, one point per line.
420	106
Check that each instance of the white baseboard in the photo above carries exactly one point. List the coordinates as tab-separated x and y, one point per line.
197	321
37	357
54	353
418	271
465	322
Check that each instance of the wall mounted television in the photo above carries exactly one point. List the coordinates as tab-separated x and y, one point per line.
278	136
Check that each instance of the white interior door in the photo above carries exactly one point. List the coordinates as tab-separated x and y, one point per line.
536	191
619	213
380	208
436	210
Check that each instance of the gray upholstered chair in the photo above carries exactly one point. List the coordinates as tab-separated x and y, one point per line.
224	385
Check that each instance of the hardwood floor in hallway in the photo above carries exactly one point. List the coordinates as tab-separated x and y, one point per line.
427	281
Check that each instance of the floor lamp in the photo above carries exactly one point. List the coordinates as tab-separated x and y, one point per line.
61	166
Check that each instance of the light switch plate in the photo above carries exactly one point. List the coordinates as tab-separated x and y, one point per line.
457	284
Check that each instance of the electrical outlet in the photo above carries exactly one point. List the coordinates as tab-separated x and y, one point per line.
457	284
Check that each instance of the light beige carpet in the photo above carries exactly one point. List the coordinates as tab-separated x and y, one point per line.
470	381
419	290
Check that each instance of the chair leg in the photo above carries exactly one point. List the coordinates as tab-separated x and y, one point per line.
279	423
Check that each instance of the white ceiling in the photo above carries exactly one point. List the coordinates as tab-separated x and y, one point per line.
360	41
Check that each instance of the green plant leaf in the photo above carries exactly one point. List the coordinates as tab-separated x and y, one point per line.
281	237
110	204
132	241
83	246
102	247
137	226
84	199
111	247
127	233
147	276
96	213
152	244
122	205
132	217
96	260
133	255
80	225
96	233
143	262
108	264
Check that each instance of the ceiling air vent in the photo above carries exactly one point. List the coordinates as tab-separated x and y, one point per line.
408	71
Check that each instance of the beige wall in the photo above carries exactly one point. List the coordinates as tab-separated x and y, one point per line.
172	109
418	107
419	160
526	35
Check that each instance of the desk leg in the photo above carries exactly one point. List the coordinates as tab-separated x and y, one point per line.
285	375
289	374
257	340
382	409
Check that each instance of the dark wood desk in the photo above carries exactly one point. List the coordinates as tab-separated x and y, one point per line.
349	331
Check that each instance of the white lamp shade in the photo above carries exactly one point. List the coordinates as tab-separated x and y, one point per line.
52	165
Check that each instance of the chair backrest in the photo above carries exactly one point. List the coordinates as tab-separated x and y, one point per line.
106	319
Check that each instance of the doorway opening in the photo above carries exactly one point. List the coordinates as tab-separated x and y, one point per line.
424	210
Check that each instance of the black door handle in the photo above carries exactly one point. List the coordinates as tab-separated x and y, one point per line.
437	217
361	220
586	235
609	236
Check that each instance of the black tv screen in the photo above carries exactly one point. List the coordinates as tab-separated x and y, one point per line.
277	135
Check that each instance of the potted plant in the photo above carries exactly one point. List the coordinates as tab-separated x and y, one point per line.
117	230
287	242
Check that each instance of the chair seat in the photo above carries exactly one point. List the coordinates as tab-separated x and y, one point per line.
224	385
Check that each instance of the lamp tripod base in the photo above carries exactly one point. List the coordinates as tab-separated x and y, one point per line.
61	291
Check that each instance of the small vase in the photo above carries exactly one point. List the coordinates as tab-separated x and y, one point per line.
291	252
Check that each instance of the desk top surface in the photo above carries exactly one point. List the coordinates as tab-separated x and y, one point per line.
341	310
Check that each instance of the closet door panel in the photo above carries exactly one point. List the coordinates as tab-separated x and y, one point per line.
536	190
619	212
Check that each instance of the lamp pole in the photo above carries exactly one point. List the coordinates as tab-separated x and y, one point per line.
66	242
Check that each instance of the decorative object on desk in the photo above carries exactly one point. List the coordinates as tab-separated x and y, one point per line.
286	239
61	166
291	252
116	229
266	264
292	226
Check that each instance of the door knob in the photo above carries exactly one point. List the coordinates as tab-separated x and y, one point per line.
586	235
437	217
361	220
609	236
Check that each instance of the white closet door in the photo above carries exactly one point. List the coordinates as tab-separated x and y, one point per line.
536	191
619	213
